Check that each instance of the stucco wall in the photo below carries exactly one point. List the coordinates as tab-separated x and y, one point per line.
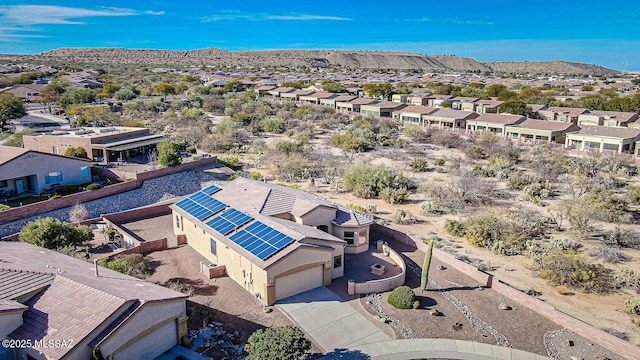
381	285
9	321
43	164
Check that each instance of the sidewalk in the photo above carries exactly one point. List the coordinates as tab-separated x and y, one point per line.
329	321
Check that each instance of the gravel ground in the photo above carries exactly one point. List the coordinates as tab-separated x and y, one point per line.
152	191
557	343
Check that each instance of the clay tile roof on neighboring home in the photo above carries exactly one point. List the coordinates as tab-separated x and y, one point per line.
343	97
499	119
608	131
8	153
323	95
544	125
304	92
17	283
453	114
490	103
10	305
567	110
619	115
537	107
364	101
418	109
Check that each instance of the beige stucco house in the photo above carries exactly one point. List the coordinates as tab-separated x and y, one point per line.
493	122
448	119
464	103
413	114
49	296
355	104
562	114
381	109
604	139
23	170
606	118
533	131
272	240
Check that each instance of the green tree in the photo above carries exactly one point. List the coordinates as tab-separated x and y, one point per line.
11	107
384	90
273	125
77	96
52	233
234	85
169	153
165	89
515	107
332	86
284	343
298	84
78	152
424	280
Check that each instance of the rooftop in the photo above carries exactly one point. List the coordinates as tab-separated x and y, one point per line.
608	132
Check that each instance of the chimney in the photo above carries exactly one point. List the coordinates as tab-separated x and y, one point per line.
95	263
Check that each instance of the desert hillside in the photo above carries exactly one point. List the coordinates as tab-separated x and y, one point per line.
296	59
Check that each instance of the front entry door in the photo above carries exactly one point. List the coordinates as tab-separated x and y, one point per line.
19	186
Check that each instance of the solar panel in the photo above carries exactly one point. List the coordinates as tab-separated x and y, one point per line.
210	190
261	240
229	221
200	205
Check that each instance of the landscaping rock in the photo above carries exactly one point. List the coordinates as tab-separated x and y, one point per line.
504	306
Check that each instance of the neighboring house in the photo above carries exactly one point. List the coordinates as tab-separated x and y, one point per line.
606	118
493	122
296	94
464	103
381	109
488	106
331	102
535	110
437	100
102	144
316	97
354	105
27	92
533	131
87	83
448	119
51	297
604	139
272	240
413	114
265	89
277	92
563	114
418	100
400	98
24	170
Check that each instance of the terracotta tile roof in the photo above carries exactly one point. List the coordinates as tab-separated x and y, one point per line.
543	125
17	283
608	132
499	119
67	310
537	107
343	97
567	110
418	109
282	90
322	95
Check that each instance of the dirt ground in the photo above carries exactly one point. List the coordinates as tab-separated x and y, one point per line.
214	301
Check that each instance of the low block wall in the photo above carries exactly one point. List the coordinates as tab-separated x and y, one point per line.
144	248
137	214
381	285
79	198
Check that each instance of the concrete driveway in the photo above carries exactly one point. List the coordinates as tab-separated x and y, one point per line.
329	321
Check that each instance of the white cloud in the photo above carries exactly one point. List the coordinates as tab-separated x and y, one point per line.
155	13
43	14
229	15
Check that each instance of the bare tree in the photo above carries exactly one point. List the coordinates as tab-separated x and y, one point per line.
78	213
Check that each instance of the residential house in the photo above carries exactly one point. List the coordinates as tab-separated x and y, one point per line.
27	92
448	119
381	109
606	118
464	103
83	308
533	131
331	102
603	139
277	92
24	170
563	114
413	114
315	98
264	89
437	100
418	100
272	240
296	94
493	122
535	108
488	106
400	98
354	105
102	144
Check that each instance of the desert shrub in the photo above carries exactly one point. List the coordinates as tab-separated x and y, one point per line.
633	193
94	186
284	342
231	161
394	196
629	278
476	152
617	333
4	207
132	264
350	142
368	181
402	297
446	139
574	271
483	230
53	234
632	306
419	165
607	254
454	227
255	175
440	161
358	208
273	125
606	206
520	180
180	287
499	166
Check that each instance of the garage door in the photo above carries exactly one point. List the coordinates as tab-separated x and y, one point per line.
152	345
298	282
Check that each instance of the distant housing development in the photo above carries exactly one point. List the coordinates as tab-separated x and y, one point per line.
274	241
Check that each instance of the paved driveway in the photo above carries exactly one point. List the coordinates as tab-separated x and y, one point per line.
329	321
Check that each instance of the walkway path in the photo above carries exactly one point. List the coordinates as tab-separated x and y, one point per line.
329	321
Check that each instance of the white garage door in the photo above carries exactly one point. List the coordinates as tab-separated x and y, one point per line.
151	345
298	282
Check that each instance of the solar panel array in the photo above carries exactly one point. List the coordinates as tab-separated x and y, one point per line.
211	190
229	221
261	240
200	205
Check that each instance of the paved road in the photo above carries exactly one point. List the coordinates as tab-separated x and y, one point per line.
329	321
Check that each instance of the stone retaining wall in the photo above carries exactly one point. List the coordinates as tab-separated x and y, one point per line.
381	285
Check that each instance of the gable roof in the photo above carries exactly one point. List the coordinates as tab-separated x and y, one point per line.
363	101
10	153
10	306
607	132
620	116
452	114
17	283
534	124
566	110
498	119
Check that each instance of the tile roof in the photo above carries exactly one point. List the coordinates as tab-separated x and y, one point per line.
8	153
543	125
364	101
10	305
67	310
566	110
498	119
489	103
618	115
17	283
418	109
349	217
608	132
452	114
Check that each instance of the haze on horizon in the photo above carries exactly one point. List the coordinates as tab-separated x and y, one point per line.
602	33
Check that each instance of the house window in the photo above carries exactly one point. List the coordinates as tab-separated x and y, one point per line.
53	177
611	123
214	247
177	221
349	237
324	228
85	171
4	183
55	150
514	136
337	261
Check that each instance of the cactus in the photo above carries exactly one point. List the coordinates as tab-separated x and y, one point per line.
425	267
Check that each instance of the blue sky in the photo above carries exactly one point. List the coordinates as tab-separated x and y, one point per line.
600	32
